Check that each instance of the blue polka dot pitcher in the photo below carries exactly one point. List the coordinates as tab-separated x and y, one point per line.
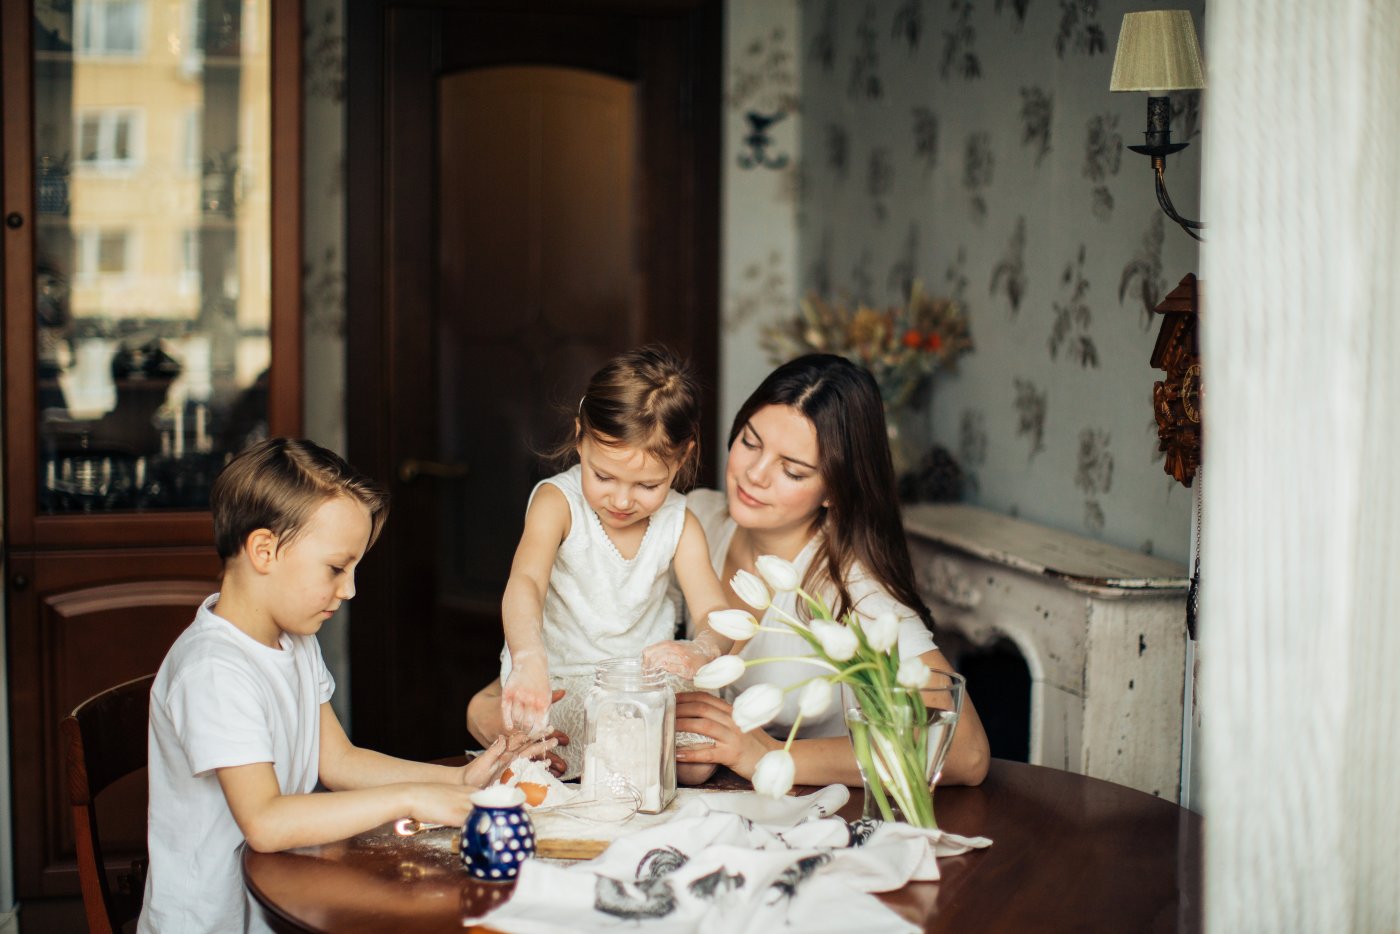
497	837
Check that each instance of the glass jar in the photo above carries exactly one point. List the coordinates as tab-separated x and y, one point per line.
630	735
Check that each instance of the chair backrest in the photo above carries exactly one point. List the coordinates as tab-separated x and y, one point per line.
104	740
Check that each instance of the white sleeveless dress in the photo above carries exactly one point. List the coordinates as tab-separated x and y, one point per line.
600	605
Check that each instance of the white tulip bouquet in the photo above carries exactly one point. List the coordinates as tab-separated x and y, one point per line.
892	744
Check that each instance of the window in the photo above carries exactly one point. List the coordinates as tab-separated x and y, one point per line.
110	27
108	139
194	18
190	140
103	253
217	26
189	261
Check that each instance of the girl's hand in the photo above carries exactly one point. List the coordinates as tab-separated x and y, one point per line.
553	760
709	716
682	657
525	698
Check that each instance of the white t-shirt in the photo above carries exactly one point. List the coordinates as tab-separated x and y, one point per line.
868	599
221	699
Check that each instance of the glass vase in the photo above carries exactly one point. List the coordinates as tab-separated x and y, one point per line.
906	427
901	740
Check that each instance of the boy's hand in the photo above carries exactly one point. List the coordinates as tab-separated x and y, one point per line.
486	768
683	657
438	803
525	697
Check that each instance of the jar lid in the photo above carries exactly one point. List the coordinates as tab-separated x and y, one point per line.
628	674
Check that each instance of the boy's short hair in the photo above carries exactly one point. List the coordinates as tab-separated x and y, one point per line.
277	484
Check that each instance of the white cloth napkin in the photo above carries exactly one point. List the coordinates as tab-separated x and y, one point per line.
735	862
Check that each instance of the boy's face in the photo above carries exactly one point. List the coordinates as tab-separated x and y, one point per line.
314	574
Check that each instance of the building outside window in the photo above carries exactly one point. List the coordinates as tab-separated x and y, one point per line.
110	27
109	139
189	261
106	254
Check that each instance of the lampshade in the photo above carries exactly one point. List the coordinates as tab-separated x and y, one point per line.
1157	51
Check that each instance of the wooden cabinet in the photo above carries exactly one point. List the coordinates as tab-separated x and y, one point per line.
80	622
151	287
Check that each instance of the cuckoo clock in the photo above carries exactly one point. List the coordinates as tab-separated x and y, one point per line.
1176	399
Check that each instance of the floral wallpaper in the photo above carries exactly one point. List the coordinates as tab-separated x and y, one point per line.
762	184
974	144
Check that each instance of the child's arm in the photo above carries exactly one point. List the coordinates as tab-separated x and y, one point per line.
704	594
368	789
272	821
344	766
525	694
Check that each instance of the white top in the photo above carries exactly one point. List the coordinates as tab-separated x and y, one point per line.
869	600
600	605
220	699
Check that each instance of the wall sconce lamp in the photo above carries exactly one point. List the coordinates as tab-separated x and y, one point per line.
1157	53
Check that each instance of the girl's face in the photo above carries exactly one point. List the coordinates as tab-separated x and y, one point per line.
622	485
772	477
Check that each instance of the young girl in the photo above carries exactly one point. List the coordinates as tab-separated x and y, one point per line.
591	575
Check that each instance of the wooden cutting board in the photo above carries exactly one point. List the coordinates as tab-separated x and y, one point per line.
560	837
569	849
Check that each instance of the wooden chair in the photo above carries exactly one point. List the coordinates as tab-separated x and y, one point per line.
104	740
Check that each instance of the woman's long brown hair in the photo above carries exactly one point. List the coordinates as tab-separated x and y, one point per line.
861	521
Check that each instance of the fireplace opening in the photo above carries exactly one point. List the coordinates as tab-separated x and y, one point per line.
999	683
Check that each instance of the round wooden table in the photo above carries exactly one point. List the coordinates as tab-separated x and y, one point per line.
1070	853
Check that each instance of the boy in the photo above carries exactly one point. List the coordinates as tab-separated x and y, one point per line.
241	726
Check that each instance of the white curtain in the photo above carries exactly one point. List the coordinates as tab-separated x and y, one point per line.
1301	548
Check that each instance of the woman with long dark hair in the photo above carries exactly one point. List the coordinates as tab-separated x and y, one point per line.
809	479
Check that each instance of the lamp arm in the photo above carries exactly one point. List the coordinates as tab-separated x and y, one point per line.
1164	200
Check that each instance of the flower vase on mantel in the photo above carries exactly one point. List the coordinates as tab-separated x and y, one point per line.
908	431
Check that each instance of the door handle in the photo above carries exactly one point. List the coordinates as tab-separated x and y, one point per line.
411	469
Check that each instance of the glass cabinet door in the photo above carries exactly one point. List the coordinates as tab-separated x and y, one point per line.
152	273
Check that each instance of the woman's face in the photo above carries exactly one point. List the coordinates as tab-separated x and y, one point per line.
772	477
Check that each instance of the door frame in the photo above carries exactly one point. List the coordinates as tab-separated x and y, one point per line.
685	280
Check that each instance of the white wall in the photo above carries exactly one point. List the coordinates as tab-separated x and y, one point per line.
1302	510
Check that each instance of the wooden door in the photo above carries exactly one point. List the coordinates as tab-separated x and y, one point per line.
539	193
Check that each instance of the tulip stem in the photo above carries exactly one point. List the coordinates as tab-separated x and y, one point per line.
809	659
787	617
792	732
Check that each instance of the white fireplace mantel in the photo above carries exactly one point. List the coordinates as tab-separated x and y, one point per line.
1102	630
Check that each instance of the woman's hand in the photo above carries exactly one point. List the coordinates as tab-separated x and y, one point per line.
486	768
709	716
